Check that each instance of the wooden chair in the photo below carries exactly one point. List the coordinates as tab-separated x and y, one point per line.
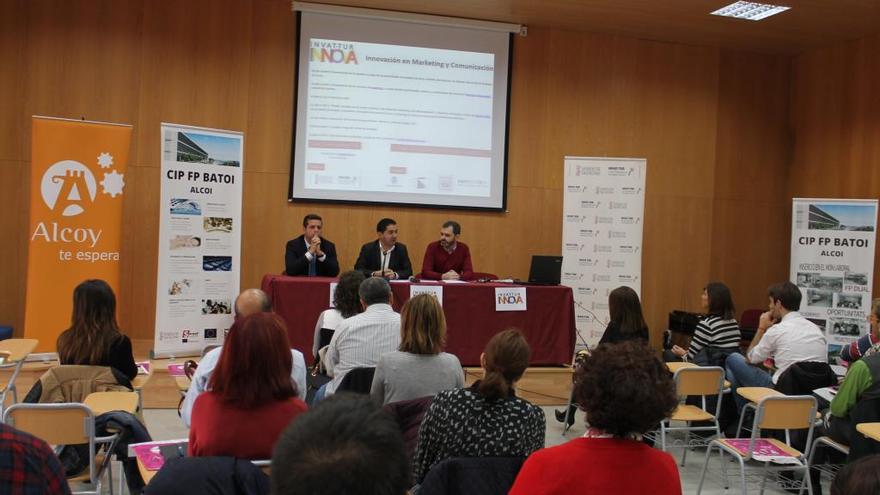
13	352
703	381
68	424
786	412
753	395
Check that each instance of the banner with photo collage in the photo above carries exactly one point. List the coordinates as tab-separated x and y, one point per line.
832	262
603	208
199	238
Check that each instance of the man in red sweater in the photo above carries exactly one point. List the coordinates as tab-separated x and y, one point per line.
448	259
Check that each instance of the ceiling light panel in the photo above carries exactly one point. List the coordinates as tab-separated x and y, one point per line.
752	11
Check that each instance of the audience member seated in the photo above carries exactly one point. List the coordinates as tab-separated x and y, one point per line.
717	335
249	302
360	340
858	478
784	336
94	338
866	344
252	397
345	445
625	391
486	419
627	322
346	303
28	465
418	368
862	382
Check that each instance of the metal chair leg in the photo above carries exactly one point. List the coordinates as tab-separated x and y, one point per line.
687	441
705	468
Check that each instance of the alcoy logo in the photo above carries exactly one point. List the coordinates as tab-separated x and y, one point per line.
69	186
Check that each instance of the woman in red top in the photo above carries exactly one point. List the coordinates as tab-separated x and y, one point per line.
626	391
251	398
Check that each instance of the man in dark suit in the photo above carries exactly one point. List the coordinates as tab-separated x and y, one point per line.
310	254
385	257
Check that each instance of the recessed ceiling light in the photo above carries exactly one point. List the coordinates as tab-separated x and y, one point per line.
752	11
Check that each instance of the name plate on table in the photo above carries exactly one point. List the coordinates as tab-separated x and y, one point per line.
434	290
510	299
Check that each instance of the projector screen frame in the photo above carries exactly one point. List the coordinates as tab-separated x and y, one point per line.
506	152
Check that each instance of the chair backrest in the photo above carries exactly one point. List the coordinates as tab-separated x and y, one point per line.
699	380
18	349
472	475
357	380
786	412
57	424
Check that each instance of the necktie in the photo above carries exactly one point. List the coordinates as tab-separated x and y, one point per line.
313	265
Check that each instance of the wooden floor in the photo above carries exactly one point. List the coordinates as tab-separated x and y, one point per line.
539	385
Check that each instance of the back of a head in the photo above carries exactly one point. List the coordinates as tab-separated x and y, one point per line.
346	298
375	290
345	445
93	304
422	325
787	294
720	300
93	326
625	310
859	477
252	301
506	358
625	389
255	363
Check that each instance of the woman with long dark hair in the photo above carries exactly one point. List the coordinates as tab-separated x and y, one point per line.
717	334
346	303
252	397
94	337
627	322
486	419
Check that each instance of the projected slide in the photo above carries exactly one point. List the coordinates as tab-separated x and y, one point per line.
389	118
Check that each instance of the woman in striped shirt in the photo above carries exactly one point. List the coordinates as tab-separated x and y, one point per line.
718	332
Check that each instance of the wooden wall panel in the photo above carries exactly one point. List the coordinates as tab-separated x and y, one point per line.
573	94
835	113
751	221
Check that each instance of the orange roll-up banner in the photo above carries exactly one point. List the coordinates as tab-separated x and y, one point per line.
77	183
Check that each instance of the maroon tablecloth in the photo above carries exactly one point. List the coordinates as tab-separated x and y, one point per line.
471	319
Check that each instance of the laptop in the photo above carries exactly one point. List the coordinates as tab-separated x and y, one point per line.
545	270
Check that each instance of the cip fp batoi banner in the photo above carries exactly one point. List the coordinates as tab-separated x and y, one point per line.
603	208
77	185
199	237
832	262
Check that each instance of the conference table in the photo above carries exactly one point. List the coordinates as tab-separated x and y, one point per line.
548	322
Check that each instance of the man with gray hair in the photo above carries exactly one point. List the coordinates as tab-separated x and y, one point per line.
247	303
360	340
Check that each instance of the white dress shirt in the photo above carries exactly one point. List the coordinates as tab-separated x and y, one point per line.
361	340
795	339
209	362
